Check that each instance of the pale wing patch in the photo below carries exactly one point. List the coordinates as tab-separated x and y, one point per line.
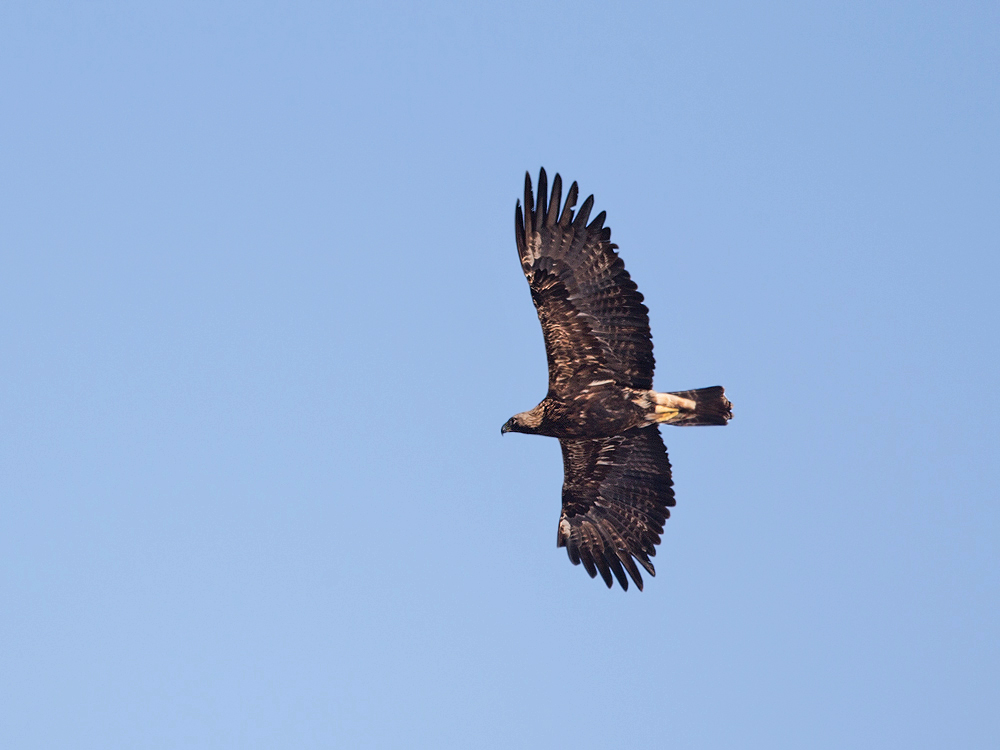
535	246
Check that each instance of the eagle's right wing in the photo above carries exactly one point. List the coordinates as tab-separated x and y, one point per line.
595	324
616	496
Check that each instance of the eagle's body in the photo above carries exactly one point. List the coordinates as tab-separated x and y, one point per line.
600	409
617	489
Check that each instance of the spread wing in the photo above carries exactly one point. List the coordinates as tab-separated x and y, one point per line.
593	319
617	493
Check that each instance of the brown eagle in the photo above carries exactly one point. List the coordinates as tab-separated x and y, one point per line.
617	490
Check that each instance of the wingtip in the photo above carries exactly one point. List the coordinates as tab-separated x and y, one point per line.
566	217
529	205
583	215
519	229
541	205
555	200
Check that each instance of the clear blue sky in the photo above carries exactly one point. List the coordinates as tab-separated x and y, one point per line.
261	319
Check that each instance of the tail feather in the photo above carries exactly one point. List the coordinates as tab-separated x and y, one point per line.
702	406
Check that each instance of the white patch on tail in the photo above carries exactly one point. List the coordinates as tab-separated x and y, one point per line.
667	402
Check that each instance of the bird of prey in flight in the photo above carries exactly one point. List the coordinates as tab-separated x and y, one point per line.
617	489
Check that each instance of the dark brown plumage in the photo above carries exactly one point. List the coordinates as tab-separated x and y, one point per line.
617	489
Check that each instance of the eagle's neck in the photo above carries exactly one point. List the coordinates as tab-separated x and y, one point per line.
530	421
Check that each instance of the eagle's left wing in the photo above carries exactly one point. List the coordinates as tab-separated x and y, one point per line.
595	324
616	496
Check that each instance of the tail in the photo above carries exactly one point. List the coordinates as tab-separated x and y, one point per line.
692	408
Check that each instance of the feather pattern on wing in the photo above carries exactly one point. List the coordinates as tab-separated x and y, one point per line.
617	493
593	318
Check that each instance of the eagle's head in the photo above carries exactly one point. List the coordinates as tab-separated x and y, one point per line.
526	421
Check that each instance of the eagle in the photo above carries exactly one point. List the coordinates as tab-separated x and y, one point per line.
617	488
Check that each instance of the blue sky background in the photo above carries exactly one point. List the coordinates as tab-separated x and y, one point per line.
261	319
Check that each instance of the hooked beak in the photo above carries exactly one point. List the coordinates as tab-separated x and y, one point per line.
507	426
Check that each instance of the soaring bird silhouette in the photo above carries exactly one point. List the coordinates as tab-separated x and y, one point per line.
617	490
